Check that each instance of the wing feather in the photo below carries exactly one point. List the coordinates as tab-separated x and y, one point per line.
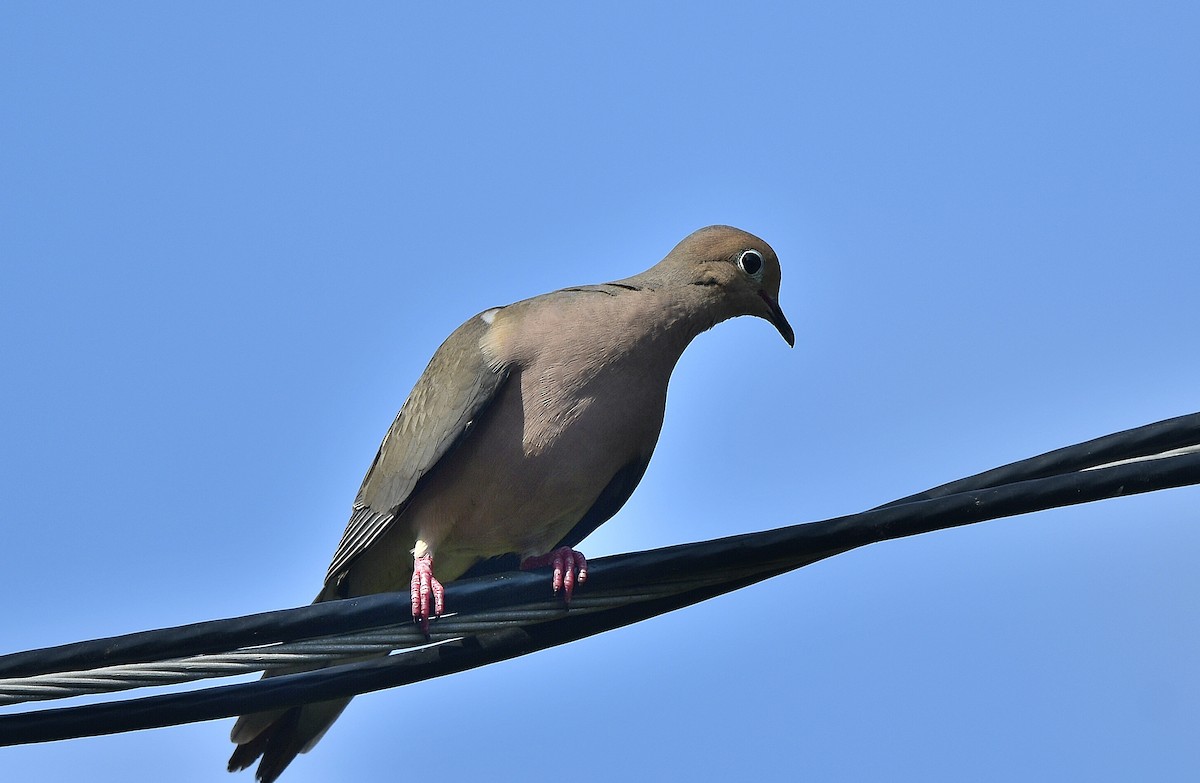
449	397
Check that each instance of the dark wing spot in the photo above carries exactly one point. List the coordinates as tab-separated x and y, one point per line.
590	290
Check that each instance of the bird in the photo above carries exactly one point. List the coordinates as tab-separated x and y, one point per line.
532	425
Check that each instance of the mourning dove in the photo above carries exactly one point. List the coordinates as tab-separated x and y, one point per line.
531	426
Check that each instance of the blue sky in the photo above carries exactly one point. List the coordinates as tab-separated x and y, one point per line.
232	235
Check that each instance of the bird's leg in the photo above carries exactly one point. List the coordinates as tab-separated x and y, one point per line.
570	569
423	584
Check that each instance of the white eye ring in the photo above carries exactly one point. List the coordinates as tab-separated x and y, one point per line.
751	262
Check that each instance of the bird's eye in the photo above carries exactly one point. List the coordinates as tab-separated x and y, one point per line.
751	262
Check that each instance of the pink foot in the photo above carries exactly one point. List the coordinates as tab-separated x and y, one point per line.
422	585
567	562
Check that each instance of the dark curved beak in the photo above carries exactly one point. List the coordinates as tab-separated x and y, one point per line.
779	319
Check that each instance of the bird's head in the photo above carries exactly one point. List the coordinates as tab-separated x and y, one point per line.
734	272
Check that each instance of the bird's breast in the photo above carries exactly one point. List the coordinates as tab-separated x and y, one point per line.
538	460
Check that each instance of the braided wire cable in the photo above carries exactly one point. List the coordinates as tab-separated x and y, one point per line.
397	638
509	614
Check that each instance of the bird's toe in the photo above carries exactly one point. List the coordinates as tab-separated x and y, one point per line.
428	595
570	569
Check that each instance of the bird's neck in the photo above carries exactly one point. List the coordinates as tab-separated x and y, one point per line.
666	318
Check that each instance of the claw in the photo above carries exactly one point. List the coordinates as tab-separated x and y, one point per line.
422	586
570	569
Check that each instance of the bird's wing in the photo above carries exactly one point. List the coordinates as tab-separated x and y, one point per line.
454	391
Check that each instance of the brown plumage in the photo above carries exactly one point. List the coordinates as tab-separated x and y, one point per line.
532	425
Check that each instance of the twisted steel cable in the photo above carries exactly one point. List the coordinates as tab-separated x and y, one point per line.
509	614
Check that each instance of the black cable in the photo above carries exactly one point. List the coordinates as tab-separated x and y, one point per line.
1162	436
512	588
738	560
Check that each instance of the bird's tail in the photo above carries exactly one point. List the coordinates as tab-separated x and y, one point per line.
278	736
